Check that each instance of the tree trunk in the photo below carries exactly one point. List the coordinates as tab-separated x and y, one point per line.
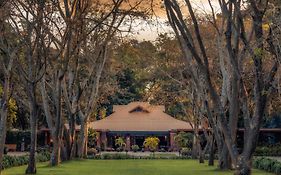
31	168
201	154
244	167
245	159
211	154
70	142
82	147
55	156
54	121
3	119
57	144
194	148
224	159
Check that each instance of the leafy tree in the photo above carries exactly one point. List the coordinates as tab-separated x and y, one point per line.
184	139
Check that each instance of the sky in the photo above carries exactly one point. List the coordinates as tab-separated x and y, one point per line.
143	30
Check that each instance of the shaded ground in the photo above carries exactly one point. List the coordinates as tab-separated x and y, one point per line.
127	167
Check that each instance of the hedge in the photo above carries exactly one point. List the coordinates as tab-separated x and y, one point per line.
267	164
109	156
273	150
12	161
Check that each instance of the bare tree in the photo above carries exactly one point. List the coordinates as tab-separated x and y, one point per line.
236	44
28	18
9	48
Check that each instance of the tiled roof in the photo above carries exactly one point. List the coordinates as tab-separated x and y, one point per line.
139	116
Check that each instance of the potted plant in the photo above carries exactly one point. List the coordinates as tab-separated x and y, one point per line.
120	143
151	143
135	148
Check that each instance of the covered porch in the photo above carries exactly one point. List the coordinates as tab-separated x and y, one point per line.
106	139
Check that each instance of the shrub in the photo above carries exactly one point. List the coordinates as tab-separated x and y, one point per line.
92	151
151	143
43	156
185	151
12	161
135	148
184	139
115	156
109	156
267	164
120	143
271	150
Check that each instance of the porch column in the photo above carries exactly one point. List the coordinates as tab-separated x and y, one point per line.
173	146
128	143
104	140
98	140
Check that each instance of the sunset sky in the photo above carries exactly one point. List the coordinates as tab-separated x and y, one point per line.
143	30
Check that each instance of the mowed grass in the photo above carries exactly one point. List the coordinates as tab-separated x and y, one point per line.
127	167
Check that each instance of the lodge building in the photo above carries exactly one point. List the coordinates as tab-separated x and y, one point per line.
135	122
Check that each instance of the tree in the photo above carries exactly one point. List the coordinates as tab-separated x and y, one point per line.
31	65
235	50
9	48
184	139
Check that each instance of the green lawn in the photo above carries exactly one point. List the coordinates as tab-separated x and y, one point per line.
127	167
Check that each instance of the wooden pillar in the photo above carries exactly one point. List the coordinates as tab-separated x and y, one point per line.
98	140
128	143
104	140
173	145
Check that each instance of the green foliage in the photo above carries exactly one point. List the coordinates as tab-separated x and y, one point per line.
116	156
151	143
135	148
113	156
120	143
184	139
273	150
267	164
92	137
102	113
12	110
185	151
12	161
258	52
